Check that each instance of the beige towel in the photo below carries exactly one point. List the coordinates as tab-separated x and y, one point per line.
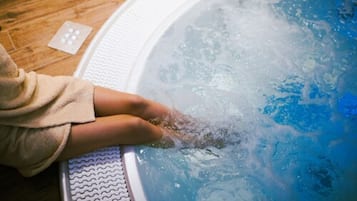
37	101
42	105
31	150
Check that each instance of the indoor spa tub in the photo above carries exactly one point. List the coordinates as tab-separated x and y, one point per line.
274	81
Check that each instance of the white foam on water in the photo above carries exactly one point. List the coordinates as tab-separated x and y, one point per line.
221	68
235	51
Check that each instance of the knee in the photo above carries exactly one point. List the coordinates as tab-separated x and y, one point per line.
136	124
143	129
138	104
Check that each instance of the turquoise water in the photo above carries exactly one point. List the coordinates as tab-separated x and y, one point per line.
277	80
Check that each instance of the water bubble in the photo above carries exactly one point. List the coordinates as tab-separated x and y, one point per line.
177	185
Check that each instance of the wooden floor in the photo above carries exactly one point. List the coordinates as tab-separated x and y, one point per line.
26	27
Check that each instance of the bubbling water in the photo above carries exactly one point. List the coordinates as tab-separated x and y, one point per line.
269	77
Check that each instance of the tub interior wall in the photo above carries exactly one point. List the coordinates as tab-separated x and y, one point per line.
278	77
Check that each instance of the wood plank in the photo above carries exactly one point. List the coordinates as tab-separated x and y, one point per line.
32	52
19	12
43	28
6	41
36	56
65	67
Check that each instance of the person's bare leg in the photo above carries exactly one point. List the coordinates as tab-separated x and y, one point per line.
109	131
111	102
123	119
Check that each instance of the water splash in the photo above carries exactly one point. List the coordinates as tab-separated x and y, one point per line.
276	76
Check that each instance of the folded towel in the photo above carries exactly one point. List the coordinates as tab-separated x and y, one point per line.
36	113
36	101
32	150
